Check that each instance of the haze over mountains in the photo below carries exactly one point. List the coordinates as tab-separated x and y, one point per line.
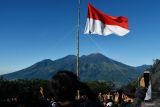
92	67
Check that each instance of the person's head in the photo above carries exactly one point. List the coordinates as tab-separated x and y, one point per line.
146	76
128	93
64	85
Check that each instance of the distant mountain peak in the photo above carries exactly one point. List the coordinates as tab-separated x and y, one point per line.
98	57
144	65
46	60
43	63
68	57
96	54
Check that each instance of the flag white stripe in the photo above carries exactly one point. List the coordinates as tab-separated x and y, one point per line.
97	27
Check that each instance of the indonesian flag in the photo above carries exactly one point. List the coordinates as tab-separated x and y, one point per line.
103	24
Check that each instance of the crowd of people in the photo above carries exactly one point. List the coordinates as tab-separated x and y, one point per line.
66	89
128	96
65	86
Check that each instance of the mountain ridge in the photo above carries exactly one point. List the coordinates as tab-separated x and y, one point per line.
92	67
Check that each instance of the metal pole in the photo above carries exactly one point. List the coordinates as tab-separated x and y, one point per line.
78	33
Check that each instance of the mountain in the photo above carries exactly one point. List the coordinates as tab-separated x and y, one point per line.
142	68
99	67
41	69
92	67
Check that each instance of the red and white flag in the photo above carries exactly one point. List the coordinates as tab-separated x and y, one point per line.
103	24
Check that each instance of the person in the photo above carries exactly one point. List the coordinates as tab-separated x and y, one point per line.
118	98
140	93
132	96
100	97
147	81
128	96
28	98
109	104
65	84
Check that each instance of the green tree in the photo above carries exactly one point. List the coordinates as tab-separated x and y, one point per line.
98	86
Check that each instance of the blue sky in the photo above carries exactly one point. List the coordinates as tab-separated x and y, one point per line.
33	30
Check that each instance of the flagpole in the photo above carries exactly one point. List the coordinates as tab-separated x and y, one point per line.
78	33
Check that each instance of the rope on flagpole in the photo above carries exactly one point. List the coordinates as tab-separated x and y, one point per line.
63	37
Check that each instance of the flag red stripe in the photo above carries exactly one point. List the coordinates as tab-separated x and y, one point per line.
107	19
